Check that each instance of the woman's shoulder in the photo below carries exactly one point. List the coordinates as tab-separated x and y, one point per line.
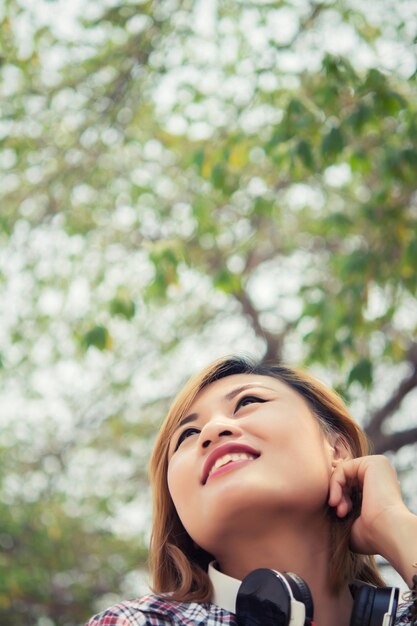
154	610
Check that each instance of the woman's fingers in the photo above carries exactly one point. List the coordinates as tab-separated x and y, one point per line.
370	482
342	484
372	476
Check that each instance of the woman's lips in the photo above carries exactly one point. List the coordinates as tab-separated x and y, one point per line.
229	453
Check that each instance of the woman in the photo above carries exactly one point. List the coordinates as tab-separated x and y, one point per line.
260	466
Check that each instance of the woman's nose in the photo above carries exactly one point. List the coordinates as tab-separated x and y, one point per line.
216	429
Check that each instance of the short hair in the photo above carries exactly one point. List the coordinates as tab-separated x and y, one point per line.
178	565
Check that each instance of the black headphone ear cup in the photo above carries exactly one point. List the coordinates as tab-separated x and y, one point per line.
301	592
362	606
263	599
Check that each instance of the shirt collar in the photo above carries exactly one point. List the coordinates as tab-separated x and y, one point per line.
225	588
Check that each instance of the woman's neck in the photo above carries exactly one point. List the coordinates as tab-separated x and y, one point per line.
302	549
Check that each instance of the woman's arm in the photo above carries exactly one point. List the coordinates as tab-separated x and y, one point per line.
385	525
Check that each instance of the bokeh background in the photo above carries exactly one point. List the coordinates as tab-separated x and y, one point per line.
181	180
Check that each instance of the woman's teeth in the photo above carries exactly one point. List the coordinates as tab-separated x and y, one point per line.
227	458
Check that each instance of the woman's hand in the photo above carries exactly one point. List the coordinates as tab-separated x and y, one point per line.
384	526
376	480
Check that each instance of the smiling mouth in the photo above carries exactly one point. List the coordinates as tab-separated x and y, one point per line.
229	459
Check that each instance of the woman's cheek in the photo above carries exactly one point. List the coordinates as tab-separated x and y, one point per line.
177	482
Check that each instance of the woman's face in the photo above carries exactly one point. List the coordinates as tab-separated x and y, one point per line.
250	452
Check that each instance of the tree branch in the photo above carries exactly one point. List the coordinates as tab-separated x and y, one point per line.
274	341
407	384
394	441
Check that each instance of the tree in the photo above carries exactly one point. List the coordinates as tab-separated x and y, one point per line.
184	180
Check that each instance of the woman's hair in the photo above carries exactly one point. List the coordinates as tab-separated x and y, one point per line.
178	565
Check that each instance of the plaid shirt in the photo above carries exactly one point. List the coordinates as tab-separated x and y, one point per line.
153	610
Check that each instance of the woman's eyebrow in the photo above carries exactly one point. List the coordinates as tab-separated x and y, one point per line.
232	394
229	396
185	420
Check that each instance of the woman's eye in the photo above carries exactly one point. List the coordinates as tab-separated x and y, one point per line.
184	435
248	400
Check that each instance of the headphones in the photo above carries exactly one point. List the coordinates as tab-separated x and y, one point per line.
270	598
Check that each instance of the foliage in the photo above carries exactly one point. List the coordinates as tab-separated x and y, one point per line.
183	181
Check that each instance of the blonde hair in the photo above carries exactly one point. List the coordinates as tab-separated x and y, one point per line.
178	566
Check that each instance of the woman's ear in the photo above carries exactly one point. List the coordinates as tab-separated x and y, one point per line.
340	449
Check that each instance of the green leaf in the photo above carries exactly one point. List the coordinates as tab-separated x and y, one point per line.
338	221
218	176
333	143
305	153
99	337
408	266
375	80
359	117
361	372
295	107
199	160
122	306
390	102
226	281
360	161
338	69
409	155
